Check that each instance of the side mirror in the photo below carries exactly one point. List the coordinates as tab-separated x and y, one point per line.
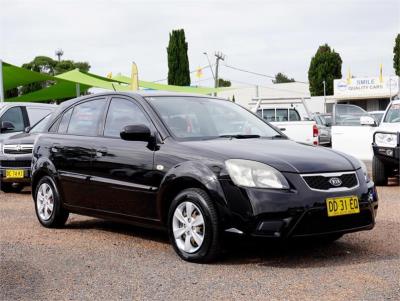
7	126
367	120
138	132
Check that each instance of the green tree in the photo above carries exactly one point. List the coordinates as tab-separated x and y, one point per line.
282	78
47	65
178	62
326	66
224	83
396	57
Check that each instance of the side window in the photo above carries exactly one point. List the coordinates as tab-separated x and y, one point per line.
281	114
15	118
294	115
86	118
36	114
62	128
123	112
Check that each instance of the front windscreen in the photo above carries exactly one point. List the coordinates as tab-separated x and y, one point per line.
393	114
205	118
40	125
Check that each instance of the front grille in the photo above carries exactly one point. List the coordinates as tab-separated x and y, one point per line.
16	163
17	149
321	182
317	222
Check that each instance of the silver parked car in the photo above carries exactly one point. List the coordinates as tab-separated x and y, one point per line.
16	117
324	127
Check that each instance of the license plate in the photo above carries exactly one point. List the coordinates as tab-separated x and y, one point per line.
342	205
14	174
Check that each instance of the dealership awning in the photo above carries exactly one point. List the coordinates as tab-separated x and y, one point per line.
170	88
67	85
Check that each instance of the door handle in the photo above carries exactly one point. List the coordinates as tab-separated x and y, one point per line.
101	152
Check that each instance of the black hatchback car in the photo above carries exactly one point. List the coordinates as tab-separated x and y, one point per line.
197	166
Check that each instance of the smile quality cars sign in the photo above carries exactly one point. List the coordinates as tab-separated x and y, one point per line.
366	86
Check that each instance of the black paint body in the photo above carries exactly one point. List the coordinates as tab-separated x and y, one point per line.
135	181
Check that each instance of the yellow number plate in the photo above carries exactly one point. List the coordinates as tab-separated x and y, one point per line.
14	174
342	205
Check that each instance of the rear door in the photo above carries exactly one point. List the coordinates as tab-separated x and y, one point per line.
72	150
123	171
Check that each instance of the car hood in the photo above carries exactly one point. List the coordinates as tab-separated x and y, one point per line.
21	138
389	127
284	155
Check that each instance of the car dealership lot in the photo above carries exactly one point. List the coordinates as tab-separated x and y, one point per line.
94	259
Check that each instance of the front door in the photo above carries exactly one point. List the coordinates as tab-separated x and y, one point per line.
123	170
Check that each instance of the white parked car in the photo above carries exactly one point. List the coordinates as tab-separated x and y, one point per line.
289	121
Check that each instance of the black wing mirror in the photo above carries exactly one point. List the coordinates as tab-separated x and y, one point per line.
7	126
138	132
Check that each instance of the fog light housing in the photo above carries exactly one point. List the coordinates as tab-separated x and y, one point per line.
370	196
389	152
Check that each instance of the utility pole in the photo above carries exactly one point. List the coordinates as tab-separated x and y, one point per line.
1	82
324	83
219	56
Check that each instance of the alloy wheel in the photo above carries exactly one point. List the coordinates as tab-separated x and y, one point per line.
45	201
188	227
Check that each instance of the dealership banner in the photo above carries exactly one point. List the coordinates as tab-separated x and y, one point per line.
366	87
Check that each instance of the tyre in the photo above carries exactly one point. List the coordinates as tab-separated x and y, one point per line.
48	207
11	187
379	172
193	226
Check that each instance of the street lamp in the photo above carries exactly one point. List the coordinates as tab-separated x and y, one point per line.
209	64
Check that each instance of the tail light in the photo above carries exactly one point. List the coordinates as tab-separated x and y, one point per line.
315	134
315	131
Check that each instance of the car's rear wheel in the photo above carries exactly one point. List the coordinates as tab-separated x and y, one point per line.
194	226
379	172
49	210
11	187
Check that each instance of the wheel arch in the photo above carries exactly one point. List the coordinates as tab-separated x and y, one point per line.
189	175
40	168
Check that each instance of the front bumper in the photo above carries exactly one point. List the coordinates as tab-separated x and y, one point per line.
299	212
13	163
389	155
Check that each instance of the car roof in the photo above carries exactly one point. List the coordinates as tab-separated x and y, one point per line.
27	104
141	93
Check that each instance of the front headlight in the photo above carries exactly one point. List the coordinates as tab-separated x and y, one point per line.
386	140
365	171
255	174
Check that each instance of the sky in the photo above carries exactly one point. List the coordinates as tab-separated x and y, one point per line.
261	36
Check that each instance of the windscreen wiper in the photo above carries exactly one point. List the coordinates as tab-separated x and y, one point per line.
278	137
239	136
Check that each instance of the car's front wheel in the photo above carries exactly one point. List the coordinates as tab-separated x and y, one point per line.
194	226
49	210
